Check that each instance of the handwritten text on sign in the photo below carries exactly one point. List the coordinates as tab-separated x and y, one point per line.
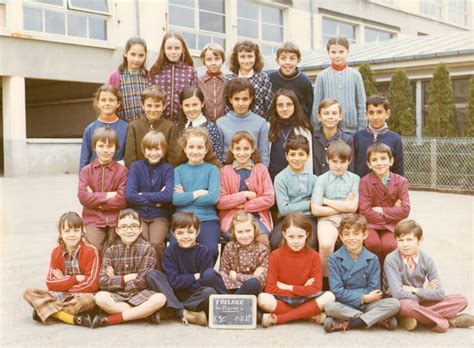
233	311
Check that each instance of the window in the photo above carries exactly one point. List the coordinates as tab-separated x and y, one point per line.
457	12
199	21
261	23
335	28
431	8
377	35
76	18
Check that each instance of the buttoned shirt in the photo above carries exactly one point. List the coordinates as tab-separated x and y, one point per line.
335	187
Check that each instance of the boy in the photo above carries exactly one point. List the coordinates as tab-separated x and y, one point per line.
343	84
125	295
329	115
101	189
411	277
212	82
153	103
288	56
335	192
184	263
378	112
384	200
354	278
239	94
294	186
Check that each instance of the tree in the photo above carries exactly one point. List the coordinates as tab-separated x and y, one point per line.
370	84
441	115
402	119
469	131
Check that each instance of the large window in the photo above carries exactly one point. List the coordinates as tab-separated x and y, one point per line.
372	34
431	8
200	21
261	23
77	18
332	28
458	12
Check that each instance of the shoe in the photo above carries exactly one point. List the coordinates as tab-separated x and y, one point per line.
259	316
155	318
462	321
408	323
82	320
318	318
332	325
99	321
268	319
388	324
36	317
190	317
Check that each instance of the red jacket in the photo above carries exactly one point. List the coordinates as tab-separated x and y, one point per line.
373	193
97	210
89	264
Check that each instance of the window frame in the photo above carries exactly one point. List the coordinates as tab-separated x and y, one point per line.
356	25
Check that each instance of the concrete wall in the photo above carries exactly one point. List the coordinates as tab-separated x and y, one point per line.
50	157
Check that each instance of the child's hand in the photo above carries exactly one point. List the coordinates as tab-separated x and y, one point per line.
284	286
179	188
89	189
410	289
250	195
372	296
131	276
80	277
110	271
434	284
111	195
199	193
241	206
259	271
351	196
378	209
164	188
197	276
233	275
398	203
158	205
309	282
58	274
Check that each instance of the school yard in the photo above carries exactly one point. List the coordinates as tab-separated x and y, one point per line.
30	207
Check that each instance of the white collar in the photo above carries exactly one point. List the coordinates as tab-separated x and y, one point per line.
197	122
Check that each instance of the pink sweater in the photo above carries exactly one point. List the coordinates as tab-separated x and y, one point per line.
259	182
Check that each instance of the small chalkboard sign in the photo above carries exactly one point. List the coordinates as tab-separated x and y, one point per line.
233	312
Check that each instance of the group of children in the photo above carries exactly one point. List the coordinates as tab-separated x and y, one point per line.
251	161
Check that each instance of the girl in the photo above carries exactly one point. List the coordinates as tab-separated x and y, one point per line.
244	261
131	78
172	71
291	295
246	185
192	103
196	187
149	190
73	277
246	61
286	119
107	102
101	189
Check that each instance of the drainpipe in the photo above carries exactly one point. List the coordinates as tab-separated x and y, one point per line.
137	16
311	35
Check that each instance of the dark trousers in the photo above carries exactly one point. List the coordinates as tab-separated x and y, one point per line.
213	279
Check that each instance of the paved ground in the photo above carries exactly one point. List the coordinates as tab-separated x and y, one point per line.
30	207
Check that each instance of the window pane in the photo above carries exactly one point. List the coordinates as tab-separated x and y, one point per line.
247	28
272	15
212	5
347	30
76	25
211	22
190	40
220	41
461	88
181	16
247	10
32	19
370	35
51	2
203	41
93	5
329	27
187	3
272	33
266	49
54	22
97	28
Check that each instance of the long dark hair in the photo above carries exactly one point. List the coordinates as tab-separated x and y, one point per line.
131	42
161	60
298	119
188	92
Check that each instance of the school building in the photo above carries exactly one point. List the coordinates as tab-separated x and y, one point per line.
55	53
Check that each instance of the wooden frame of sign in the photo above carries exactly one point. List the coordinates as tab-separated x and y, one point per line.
232	312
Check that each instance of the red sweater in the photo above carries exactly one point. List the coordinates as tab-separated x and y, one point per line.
89	264
294	268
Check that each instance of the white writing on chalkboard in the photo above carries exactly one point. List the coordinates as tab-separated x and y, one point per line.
232	311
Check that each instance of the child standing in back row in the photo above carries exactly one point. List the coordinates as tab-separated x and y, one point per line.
343	84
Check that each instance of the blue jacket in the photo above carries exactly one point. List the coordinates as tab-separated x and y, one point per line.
350	280
148	185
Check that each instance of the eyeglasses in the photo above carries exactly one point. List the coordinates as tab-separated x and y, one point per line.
125	228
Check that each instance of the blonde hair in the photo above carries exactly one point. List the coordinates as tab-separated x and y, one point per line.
241	217
196	132
154	139
216	49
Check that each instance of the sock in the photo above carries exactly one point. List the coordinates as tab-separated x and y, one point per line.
304	311
64	317
115	319
282	307
356	323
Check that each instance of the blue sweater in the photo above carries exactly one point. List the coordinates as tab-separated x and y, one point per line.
144	188
202	176
88	154
250	122
299	83
363	139
180	265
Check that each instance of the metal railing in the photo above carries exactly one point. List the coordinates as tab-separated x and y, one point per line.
439	163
